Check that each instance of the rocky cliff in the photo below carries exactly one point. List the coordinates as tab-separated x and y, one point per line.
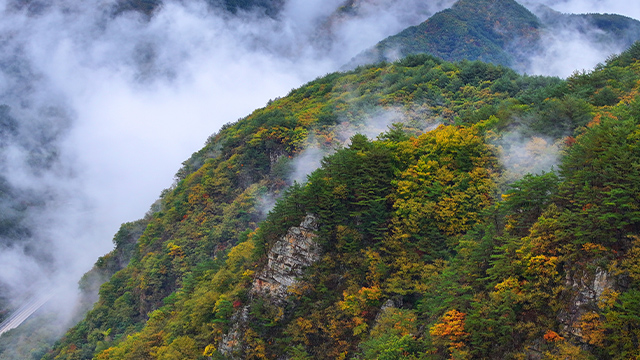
287	260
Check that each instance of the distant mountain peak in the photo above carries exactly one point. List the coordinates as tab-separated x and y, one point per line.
502	32
470	29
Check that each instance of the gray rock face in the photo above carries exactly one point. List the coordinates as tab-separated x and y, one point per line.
588	287
231	340
287	260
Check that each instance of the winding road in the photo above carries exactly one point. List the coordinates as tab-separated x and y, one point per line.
23	313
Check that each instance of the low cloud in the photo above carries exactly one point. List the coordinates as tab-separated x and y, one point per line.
108	107
575	44
521	155
567	51
377	122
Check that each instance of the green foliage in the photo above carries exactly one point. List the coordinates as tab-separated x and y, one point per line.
413	219
627	58
601	183
472	30
393	336
526	199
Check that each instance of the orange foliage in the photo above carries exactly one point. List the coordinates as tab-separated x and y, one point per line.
594	248
598	118
450	330
569	141
552	336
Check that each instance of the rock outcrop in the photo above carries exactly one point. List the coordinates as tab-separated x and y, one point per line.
588	289
288	258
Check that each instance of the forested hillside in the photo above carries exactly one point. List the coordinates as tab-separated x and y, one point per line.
497	217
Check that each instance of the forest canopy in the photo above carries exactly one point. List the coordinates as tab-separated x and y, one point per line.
440	236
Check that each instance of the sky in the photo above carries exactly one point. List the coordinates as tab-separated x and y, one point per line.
126	100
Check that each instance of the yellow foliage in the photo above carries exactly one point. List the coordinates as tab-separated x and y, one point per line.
255	346
209	350
182	348
447	186
374	275
340	191
565	351
300	288
239	255
543	265
175	251
510	284
608	298
592	329
632	262
354	304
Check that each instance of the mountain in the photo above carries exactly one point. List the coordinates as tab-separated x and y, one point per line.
485	214
495	216
476	30
499	31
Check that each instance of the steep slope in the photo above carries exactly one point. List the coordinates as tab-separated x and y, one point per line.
416	243
502	32
419	258
225	186
417	254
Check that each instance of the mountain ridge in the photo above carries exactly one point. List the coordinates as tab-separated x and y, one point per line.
515	36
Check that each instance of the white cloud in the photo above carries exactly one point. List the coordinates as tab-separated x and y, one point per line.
137	97
565	49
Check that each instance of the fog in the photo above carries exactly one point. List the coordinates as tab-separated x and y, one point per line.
107	107
520	155
571	46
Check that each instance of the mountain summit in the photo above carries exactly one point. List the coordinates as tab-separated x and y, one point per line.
501	32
